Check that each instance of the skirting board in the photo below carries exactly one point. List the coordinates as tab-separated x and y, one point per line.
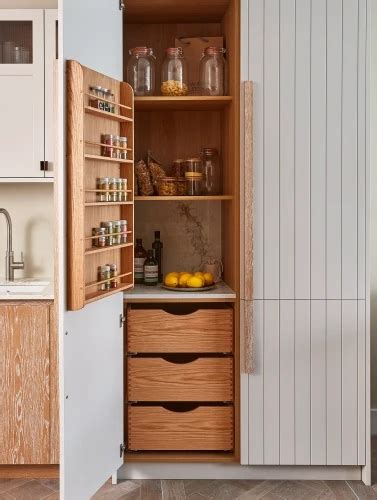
139	470
373	421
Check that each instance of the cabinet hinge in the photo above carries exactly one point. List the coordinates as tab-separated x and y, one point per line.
44	165
122	449
122	320
122	5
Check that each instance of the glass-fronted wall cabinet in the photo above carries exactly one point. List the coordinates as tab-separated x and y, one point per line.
26	39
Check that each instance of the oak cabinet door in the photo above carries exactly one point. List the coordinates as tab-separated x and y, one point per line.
24	383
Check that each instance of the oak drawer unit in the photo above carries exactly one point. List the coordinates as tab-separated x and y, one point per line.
201	379
179	329
205	428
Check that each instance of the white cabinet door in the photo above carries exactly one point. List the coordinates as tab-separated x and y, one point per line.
51	57
21	93
92	364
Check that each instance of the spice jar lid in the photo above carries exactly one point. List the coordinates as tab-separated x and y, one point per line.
209	151
108	136
96	87
140	51
197	176
123	222
174	51
192	160
214	50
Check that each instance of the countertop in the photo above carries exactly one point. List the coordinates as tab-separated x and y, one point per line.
141	293
46	294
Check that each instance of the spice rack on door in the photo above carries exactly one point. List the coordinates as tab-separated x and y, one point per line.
86	124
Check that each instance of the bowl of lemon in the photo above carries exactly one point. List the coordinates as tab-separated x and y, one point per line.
189	282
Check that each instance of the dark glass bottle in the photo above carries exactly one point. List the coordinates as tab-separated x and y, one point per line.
157	251
150	270
140	256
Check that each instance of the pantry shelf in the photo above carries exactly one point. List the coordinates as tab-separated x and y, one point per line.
106	114
91	251
106	158
108	203
91	297
222	197
183	103
122	106
91	143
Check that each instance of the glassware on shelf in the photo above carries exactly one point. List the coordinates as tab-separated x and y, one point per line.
141	71
194	165
213	72
194	183
166	186
174	81
211	171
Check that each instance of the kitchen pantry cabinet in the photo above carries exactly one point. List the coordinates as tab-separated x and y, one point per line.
29	426
27	53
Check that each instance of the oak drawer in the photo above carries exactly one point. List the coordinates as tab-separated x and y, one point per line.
159	379
179	329
156	428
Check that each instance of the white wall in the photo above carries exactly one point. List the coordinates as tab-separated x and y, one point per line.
28	4
30	207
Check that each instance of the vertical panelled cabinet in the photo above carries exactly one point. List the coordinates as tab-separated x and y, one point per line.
28	50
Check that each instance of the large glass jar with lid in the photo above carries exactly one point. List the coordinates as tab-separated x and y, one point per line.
213	72
174	80
211	171
141	71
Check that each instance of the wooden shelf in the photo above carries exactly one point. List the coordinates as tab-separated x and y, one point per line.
108	203
184	103
112	234
106	158
222	197
91	297
177	456
91	251
106	114
91	143
107	100
94	283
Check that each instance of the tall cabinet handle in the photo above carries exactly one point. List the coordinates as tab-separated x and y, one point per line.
247	257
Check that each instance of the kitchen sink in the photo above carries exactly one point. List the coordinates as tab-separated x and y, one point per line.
22	286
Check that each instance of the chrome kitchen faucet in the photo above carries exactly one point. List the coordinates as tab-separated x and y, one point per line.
10	264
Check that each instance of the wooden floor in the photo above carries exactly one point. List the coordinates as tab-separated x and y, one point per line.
38	489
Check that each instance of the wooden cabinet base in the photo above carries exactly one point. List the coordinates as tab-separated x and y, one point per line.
156	428
180	456
30	471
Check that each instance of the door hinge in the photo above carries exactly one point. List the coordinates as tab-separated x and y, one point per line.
122	5
122	320
44	165
122	449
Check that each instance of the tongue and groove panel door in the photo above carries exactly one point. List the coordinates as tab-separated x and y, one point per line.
307	395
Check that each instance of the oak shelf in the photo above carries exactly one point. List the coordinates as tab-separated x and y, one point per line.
91	297
106	114
91	251
107	158
107	203
183	103
222	197
94	283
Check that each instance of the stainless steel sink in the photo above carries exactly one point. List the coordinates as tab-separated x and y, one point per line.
22	286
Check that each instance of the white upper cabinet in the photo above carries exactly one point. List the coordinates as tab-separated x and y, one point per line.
22	90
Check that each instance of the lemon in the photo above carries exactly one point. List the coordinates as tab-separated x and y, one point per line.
172	274
183	279
199	274
195	282
183	272
208	278
171	280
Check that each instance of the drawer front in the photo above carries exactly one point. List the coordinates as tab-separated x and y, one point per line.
157	428
202	331
156	379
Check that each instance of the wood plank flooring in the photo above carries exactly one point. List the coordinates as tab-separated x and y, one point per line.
38	489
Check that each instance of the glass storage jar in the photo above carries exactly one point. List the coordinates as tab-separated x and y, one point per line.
178	167
213	72
194	183
194	165
211	171
166	186
141	70
174	80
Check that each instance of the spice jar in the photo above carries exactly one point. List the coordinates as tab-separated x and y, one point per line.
113	274
194	182
174	73
179	168
166	186
111	98
181	187
123	230
213	72
123	144
141	71
100	240
109	233
211	168
110	140
113	189
117	232
124	189
103	189
97	93
104	274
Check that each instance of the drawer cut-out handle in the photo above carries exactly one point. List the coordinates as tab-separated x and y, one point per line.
179	408
180	360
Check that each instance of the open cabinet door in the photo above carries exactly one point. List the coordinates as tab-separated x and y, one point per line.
91	351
